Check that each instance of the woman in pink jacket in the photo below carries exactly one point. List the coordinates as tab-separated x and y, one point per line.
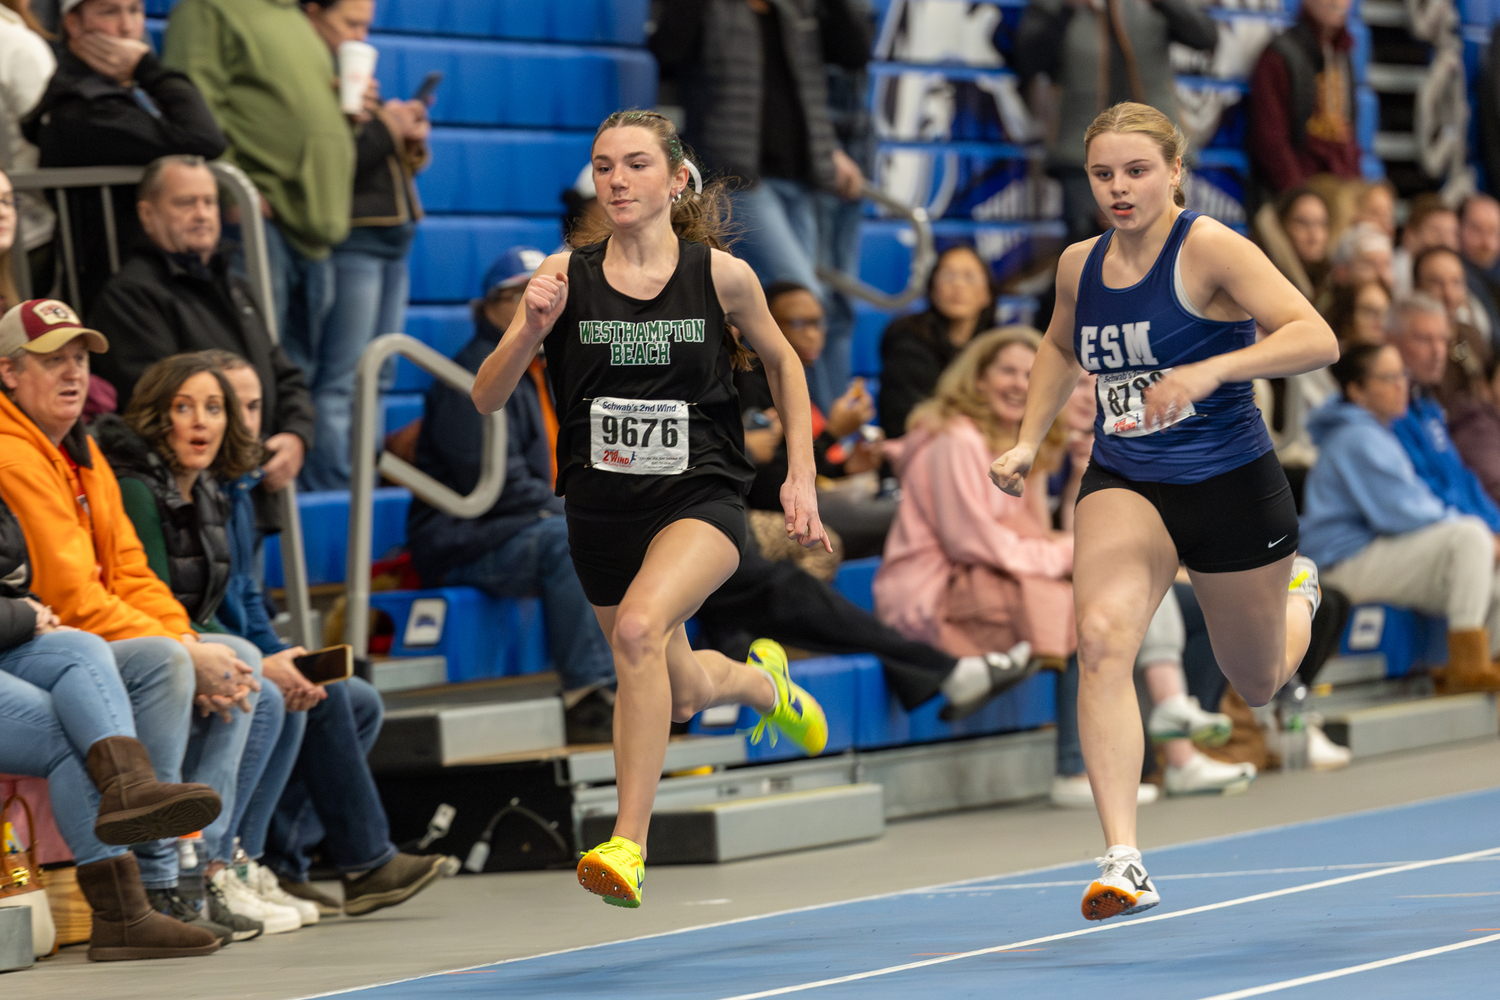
968	568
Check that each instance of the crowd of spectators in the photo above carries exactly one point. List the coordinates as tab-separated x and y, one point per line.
139	670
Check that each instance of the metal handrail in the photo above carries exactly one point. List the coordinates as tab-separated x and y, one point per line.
923	257
258	271
362	476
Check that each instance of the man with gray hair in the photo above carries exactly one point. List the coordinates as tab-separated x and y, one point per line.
177	293
1361	255
1419	327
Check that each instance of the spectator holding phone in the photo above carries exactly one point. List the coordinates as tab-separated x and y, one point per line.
188	433
369	268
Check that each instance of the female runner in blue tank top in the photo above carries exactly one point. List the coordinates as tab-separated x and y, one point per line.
651	455
1164	310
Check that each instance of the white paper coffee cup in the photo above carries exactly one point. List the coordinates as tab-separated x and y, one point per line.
356	67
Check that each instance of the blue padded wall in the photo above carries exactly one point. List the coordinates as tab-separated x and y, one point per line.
600	22
496	171
517	84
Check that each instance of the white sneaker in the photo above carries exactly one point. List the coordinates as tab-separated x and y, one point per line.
240	899
263	882
1181	718
1075	792
1122	888
1205	776
1322	753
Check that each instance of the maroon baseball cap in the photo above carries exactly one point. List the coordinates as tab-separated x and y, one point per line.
42	326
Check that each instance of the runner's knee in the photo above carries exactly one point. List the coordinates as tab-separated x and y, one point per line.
639	637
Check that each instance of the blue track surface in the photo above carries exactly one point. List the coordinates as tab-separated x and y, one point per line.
919	943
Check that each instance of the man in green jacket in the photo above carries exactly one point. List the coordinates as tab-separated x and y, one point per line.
271	83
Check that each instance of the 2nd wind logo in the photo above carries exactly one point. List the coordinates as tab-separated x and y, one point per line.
614	457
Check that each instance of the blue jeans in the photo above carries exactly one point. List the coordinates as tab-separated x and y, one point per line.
60	694
257	798
332	796
838	249
369	299
535	562
215	751
1069	746
304	296
158	676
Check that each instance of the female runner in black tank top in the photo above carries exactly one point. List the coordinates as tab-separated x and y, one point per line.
650	454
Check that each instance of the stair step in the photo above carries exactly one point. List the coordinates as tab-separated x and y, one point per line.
1396	146
444	735
407	673
963	774
1385	13
768	824
1412	725
591	767
1396	79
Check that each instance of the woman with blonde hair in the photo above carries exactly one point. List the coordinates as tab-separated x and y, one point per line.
1164	309
967	569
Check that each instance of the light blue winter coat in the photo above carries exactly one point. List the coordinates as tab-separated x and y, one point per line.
1363	486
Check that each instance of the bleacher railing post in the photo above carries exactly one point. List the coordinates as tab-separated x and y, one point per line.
923	257
364	469
258	271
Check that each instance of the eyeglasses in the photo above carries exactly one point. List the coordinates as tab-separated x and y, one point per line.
7	201
800	324
1389	378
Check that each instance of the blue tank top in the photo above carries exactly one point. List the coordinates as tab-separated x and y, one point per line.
1129	337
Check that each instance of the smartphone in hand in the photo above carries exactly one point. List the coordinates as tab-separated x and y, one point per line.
327	666
427	92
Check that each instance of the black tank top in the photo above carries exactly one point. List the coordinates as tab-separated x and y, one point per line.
646	398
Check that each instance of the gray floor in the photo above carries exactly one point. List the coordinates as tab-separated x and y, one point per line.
472	920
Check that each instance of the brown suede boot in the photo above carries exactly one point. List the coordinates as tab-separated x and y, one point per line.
1469	666
133	806
125	926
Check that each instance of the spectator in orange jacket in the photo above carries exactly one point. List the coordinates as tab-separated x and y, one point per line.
90	567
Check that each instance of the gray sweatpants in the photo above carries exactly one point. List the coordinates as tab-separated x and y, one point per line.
1447	568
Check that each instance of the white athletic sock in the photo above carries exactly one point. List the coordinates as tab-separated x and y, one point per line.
969	680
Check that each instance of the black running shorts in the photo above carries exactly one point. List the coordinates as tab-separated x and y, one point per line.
608	546
1241	519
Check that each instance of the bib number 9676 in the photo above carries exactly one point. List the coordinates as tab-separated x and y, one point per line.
1122	401
641	437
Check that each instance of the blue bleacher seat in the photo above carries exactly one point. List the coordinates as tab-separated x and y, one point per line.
397	409
1406	638
856	581
519	84
864	351
511	171
863	714
450	253
481	636
885	245
603	22
325	533
445	328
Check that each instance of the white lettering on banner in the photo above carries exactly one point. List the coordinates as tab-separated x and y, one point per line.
1086	344
1109	340
639	437
1138	344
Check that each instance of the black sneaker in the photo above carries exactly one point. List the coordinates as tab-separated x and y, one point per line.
168	901
219	912
592	718
326	904
394	882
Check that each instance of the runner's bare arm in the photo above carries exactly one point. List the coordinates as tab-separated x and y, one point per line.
745	306
542	304
1299	340
1053	376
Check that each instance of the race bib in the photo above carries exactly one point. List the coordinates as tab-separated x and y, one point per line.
1122	401
639	437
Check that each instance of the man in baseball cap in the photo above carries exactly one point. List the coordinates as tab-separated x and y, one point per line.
52	396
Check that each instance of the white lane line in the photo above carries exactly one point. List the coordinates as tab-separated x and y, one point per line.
1208	907
965	887
1287	984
